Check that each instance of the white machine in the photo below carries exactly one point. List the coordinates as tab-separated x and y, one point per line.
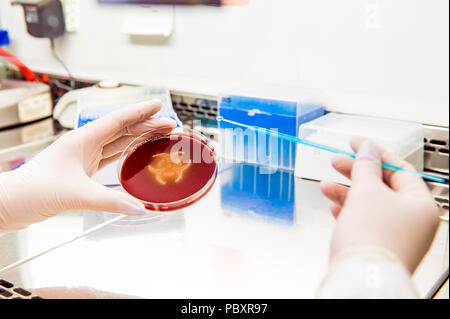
23	102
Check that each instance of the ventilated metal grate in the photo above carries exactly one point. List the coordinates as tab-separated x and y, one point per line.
197	113
191	108
436	156
436	150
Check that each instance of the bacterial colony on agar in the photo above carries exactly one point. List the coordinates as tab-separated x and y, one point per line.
166	177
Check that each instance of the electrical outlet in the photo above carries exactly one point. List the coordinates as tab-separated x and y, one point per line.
71	15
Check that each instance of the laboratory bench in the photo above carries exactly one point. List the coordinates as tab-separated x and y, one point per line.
251	236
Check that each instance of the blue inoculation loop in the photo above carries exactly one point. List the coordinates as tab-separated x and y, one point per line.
410	171
331	149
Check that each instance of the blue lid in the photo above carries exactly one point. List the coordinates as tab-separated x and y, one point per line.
283	115
4	37
90	114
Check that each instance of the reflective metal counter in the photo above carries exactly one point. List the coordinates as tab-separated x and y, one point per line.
252	236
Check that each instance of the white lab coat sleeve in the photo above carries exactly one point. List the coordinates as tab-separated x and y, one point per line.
366	273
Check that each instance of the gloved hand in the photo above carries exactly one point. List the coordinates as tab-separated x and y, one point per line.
391	210
58	178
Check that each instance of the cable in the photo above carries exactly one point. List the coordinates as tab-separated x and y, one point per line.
71	78
443	279
65	242
60	85
27	73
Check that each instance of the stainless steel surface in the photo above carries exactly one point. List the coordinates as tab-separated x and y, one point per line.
204	251
24	141
63	243
216	248
440	194
439	285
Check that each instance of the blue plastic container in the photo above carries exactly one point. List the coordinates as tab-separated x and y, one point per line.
4	38
247	190
282	114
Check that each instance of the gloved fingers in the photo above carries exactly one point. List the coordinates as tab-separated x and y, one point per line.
109	160
115	151
397	180
100	198
402	181
335	192
111	126
335	210
156	126
367	165
343	164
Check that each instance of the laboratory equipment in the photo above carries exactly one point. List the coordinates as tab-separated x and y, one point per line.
278	108
325	148
44	18
27	73
78	107
168	172
404	139
23	102
248	191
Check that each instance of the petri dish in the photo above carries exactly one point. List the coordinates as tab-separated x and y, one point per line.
168	173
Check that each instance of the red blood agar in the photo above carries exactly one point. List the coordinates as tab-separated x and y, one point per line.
169	173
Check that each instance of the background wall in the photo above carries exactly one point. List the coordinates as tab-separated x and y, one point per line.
386	58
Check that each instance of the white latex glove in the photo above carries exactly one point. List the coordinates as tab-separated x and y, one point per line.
366	273
390	210
58	178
